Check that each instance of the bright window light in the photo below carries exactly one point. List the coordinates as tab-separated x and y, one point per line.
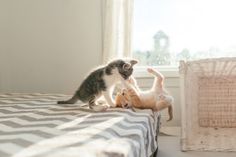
166	31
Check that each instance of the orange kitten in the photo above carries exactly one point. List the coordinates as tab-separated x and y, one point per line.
157	98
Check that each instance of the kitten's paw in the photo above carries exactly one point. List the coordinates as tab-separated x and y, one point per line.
112	104
126	83
100	108
150	70
101	102
132	80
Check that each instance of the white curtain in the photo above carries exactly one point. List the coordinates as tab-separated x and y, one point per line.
117	28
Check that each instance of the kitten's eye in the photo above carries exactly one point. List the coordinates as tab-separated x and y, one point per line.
123	93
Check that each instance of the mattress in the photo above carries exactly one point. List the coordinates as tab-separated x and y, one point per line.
33	125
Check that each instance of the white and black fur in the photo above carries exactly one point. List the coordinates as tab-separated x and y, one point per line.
100	82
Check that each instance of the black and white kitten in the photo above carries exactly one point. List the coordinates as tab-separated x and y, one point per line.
101	82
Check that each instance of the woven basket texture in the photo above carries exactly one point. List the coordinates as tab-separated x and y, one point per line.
208	104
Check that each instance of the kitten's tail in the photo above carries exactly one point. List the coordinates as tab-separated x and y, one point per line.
72	100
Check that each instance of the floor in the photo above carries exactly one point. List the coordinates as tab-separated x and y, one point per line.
169	146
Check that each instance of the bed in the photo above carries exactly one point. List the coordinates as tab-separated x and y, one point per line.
33	125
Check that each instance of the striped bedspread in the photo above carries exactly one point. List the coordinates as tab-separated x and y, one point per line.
33	125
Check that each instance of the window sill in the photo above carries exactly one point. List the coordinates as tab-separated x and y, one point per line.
168	72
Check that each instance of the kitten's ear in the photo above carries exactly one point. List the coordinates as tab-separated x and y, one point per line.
133	62
127	66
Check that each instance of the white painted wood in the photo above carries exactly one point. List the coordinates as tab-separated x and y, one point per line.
183	107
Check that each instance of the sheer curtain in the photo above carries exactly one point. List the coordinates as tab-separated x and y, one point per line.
117	28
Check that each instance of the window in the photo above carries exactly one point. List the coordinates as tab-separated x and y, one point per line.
166	31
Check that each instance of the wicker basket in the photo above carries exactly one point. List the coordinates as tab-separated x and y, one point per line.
208	102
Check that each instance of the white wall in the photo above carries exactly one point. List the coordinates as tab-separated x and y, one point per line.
48	45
